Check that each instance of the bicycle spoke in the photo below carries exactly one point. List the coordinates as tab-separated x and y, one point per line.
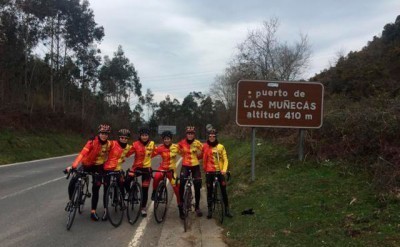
114	205
187	206
218	203
161	202
134	203
73	205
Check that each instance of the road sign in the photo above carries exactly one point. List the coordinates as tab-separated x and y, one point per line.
279	104
162	128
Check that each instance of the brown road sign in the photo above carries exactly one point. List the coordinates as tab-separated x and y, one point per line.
279	104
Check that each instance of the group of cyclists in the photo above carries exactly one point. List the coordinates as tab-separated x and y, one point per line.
101	155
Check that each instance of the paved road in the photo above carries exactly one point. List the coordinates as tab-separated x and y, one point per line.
32	200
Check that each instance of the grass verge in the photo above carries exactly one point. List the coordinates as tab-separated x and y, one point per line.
24	146
304	203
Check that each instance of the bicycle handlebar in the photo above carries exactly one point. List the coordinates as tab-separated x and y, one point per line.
164	172
72	170
228	174
67	172
111	173
136	172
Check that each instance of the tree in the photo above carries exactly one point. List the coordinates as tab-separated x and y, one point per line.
224	87
149	102
271	59
207	114
119	78
12	53
137	117
168	111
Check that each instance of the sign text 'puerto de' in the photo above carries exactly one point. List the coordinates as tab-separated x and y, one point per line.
279	104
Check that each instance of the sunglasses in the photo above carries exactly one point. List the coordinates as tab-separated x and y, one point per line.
103	133
190	133
123	137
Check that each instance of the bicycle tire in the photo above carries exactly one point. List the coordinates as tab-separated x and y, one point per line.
187	206
84	194
114	205
74	205
218	203
160	202
134	203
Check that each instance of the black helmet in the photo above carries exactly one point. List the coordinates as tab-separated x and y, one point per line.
144	130
124	132
166	133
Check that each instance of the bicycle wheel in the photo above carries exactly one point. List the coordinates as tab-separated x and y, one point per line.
134	203
187	206
84	194
161	202
114	205
218	203
74	205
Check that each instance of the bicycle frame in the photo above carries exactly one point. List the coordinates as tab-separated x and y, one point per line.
78	197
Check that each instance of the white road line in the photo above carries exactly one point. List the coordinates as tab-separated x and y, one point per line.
141	228
135	241
30	188
33	161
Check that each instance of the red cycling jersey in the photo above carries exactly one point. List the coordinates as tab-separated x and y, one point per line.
142	154
116	156
93	153
168	156
214	158
190	152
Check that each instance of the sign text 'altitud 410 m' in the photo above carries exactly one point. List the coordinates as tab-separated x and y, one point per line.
279	104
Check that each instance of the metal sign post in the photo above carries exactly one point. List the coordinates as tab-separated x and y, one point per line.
253	154
301	144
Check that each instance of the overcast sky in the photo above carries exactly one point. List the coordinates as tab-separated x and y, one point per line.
179	46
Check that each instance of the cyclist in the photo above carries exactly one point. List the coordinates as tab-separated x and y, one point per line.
143	149
190	149
118	152
92	157
168	152
215	159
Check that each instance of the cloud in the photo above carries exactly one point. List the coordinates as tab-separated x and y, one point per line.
180	46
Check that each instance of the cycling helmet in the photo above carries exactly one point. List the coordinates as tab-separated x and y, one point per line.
124	132
212	131
166	133
190	129
144	130
104	128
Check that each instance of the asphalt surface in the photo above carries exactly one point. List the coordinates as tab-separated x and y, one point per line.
33	196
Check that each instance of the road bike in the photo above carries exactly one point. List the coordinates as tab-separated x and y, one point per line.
81	192
134	200
161	197
188	204
115	204
217	202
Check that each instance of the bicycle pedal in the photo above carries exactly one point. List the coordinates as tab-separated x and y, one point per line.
89	195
